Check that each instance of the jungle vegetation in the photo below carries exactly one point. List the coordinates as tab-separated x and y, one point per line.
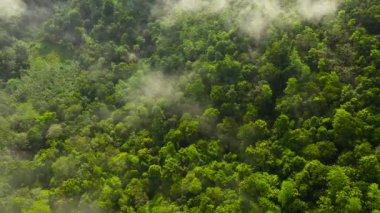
189	106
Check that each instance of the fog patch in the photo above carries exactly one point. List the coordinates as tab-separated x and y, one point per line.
253	17
258	17
173	7
11	8
148	86
315	10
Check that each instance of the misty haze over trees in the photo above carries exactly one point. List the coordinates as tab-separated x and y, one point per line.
189	106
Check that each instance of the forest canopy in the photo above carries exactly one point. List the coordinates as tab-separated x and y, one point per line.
189	106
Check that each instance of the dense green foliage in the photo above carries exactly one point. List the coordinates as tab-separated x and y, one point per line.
128	106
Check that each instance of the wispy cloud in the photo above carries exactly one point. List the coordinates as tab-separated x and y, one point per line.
253	17
315	10
11	8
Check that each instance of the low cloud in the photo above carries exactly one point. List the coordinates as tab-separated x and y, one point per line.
148	86
171	7
253	17
315	10
11	8
257	17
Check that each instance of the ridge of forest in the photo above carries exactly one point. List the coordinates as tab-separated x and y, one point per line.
189	106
